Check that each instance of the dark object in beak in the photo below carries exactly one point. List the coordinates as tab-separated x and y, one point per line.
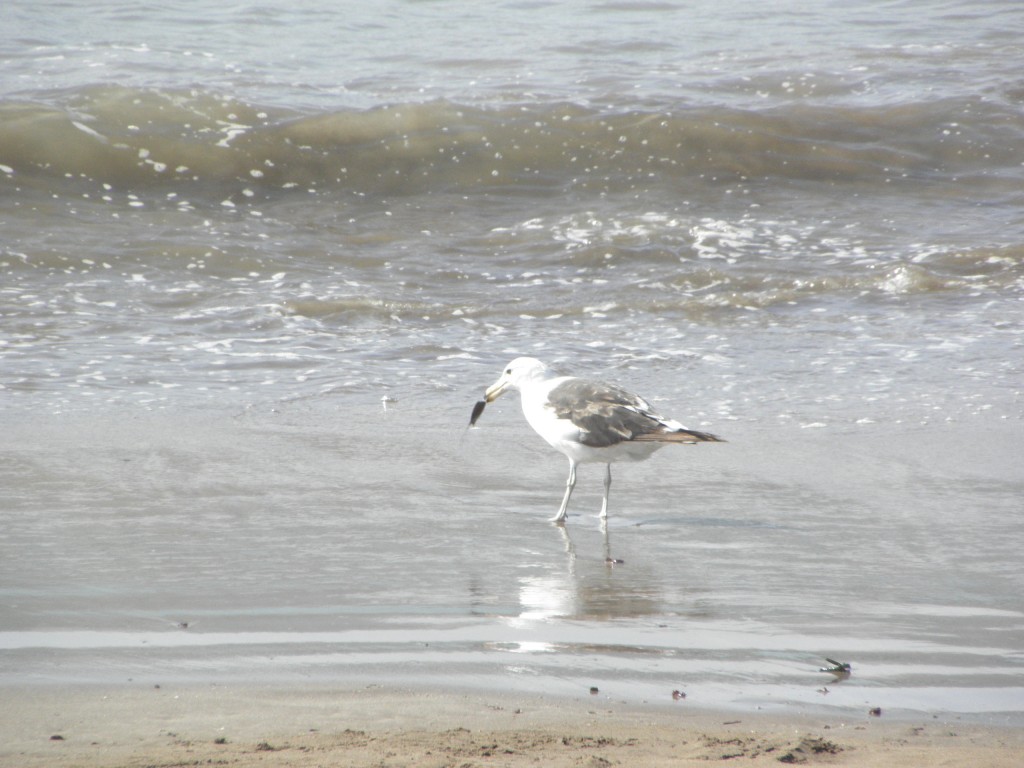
477	410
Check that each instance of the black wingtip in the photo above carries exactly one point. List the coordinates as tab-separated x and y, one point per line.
685	436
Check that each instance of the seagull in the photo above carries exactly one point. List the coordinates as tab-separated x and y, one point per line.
588	421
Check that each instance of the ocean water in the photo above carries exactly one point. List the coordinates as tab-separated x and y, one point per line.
258	261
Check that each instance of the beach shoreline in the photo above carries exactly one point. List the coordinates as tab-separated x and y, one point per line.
328	725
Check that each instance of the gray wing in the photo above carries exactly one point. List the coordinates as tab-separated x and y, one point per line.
605	414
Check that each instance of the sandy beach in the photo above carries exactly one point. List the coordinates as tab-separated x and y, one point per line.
320	726
260	260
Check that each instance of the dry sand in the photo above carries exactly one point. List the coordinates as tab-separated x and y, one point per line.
319	726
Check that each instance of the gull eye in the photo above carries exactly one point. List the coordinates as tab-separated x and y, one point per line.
508	371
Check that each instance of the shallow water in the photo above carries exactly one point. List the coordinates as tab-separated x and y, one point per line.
229	233
319	543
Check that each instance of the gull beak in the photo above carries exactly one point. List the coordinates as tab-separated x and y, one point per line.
496	390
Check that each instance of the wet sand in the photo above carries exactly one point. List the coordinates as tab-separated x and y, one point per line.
90	727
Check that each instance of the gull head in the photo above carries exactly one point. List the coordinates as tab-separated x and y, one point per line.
519	372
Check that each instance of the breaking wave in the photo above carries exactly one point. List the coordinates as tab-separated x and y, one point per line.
200	144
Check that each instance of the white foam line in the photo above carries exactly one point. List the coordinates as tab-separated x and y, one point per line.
86	129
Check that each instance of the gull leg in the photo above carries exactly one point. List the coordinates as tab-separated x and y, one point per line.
569	485
607	489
